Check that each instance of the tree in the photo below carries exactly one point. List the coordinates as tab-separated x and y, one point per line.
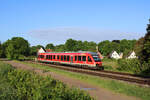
1	50
92	46
10	52
145	52
79	45
34	49
116	41
60	48
70	45
85	46
50	46
138	47
105	47
16	47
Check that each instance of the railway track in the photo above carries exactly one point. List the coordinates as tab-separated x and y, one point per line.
108	74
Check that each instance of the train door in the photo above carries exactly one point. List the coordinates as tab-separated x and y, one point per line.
71	59
89	60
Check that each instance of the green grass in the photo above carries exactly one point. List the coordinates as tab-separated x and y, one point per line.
112	65
110	62
113	85
16	84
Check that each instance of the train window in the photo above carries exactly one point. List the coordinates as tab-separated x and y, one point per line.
89	59
75	58
58	57
83	58
65	58
53	56
46	56
61	58
68	58
41	56
79	58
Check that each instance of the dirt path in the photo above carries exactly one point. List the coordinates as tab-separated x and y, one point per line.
96	92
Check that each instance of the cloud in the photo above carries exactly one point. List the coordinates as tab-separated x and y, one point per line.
59	35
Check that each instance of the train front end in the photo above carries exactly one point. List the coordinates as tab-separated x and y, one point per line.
97	61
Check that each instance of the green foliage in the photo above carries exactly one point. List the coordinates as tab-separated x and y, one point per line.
15	47
74	45
145	50
131	65
1	50
104	47
50	46
24	85
70	45
109	64
60	48
125	46
34	49
138	47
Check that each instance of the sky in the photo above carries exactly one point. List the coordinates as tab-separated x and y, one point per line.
55	21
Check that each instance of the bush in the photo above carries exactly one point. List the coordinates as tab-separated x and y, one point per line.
131	65
145	69
25	85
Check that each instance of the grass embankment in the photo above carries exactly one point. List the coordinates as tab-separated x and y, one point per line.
116	86
25	85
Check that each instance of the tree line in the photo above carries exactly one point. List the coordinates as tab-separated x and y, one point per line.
18	47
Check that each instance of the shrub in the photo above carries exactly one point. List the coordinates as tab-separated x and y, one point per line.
131	65
26	85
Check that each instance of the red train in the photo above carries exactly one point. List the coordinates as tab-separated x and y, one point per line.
83	59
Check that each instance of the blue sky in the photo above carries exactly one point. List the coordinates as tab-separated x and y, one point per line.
54	21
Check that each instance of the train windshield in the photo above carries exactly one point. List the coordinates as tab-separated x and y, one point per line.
96	58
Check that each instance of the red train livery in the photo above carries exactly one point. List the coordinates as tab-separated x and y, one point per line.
86	59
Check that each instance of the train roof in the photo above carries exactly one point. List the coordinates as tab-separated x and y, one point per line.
92	53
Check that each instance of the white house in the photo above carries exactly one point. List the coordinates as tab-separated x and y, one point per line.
121	55
132	55
41	50
114	55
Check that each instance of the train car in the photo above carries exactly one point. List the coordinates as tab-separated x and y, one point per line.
83	59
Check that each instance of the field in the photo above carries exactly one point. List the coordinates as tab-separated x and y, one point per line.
16	84
113	85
